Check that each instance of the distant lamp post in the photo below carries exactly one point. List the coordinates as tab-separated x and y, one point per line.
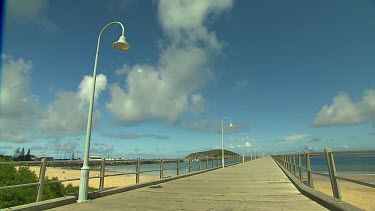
120	45
252	150
243	147
262	151
257	151
222	138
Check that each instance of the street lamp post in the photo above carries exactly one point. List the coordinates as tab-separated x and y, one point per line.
262	151
222	138
120	45
243	150
254	152
257	152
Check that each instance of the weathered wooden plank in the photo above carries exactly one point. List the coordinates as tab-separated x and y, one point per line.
254	185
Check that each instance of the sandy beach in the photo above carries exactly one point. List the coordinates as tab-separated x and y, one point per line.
114	181
358	195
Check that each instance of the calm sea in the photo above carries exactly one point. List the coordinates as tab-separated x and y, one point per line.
346	165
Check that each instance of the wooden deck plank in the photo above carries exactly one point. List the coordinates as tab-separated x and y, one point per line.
254	185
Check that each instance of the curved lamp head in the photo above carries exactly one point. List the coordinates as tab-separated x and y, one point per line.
121	44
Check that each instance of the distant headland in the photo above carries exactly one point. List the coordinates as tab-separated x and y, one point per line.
215	153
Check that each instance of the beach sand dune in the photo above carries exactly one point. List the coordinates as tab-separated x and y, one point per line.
113	181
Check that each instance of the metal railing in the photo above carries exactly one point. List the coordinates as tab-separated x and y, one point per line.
210	163
289	162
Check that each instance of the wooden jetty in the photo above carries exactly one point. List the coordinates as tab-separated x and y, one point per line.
254	185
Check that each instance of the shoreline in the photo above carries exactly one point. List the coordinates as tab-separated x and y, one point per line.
63	173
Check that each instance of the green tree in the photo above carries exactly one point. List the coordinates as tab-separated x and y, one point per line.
17	153
9	175
23	152
53	190
28	155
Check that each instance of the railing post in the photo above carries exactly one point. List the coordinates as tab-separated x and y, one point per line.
102	174
178	167
190	166
199	165
42	174
332	173
300	167
212	162
206	163
290	162
218	162
308	168
161	169
294	163
137	171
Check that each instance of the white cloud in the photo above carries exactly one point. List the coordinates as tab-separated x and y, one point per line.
29	12
85	87
18	107
344	111
293	138
166	91
368	102
173	17
197	103
248	144
23	120
125	69
67	115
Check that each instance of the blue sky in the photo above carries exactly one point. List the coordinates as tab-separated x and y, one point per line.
291	74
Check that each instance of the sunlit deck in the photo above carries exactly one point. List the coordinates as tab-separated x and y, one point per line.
255	185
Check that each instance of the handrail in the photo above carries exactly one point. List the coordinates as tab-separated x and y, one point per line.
202	164
287	160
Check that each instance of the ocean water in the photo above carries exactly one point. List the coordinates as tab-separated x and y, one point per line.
170	169
346	165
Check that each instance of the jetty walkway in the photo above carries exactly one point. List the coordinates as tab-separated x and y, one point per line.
256	185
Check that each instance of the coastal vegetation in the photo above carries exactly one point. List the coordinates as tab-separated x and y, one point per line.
12	175
215	153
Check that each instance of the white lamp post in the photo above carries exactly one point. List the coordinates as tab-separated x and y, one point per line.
252	150
257	152
120	45
243	150
262	151
222	138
